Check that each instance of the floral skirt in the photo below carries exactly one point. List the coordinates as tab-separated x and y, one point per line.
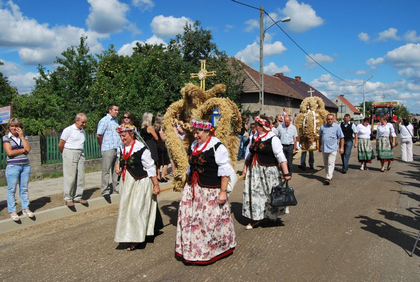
205	231
259	182
384	150
365	151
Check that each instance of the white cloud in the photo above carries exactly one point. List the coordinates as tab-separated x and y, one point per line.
251	53
272	68
320	58
363	36
361	72
374	62
17	30
107	16
127	49
18	76
411	36
303	17
389	34
144	5
404	56
252	25
168	26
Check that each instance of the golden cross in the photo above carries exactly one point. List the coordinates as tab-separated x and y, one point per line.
202	74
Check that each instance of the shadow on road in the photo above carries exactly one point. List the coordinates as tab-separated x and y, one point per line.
400	237
171	210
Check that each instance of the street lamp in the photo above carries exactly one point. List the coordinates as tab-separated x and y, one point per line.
262	35
364	107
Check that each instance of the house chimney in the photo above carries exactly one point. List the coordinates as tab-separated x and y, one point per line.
279	74
298	78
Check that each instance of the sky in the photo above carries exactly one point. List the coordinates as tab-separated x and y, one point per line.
370	47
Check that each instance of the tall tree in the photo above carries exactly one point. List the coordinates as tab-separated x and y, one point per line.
8	92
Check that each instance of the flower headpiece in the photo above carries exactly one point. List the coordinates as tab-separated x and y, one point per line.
126	127
264	123
203	125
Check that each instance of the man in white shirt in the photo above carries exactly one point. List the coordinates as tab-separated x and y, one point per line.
71	146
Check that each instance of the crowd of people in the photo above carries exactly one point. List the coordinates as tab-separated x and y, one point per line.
134	162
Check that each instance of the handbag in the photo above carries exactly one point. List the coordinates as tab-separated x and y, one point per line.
233	178
390	140
412	137
282	195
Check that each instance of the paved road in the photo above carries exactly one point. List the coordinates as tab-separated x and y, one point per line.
360	228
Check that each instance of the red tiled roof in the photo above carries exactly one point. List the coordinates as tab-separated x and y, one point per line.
302	88
348	104
272	84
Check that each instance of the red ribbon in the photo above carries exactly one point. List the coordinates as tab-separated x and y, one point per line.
254	160
126	157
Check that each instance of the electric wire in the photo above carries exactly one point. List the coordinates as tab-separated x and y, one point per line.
303	50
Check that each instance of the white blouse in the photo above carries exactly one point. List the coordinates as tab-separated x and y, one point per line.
275	144
146	158
221	156
405	131
363	132
385	130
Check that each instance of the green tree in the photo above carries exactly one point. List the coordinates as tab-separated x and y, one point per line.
8	93
368	108
401	111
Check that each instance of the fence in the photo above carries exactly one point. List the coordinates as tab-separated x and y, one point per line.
50	153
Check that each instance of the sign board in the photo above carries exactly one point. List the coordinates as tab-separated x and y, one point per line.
5	114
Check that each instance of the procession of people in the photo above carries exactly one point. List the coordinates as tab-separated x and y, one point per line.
137	163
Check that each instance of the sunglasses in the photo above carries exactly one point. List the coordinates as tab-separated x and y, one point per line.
126	117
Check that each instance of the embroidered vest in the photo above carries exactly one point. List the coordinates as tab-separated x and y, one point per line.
134	165
205	168
264	152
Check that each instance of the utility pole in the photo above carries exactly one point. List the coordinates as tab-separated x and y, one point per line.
364	106
261	60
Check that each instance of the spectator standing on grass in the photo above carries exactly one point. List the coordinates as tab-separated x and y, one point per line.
71	146
108	140
18	169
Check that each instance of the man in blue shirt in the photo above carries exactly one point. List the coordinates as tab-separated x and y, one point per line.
109	140
287	133
350	131
329	136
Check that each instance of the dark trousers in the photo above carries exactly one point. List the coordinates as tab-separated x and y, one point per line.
288	153
348	145
303	158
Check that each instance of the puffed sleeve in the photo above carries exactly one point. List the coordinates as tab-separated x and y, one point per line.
148	163
247	152
223	161
392	130
278	150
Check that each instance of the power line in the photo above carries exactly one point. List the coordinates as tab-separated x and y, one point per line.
307	54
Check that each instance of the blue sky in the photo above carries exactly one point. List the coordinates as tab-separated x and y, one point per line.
354	40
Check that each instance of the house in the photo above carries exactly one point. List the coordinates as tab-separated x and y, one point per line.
279	92
345	107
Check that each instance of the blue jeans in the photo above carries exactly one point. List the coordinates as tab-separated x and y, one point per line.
242	148
17	174
303	158
348	145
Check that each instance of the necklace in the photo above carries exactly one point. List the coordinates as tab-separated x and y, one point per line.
197	152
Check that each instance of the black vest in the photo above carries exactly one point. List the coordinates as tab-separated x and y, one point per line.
347	131
134	165
263	151
205	167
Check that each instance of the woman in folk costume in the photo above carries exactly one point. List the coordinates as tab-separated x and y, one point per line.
385	142
205	231
139	188
262	158
365	152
